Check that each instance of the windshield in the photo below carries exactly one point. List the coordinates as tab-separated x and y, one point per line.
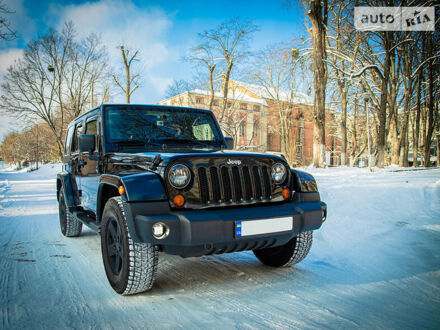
150	128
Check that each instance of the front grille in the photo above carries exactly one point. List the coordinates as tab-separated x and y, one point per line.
234	184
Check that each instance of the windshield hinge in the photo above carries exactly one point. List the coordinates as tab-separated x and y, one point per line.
156	161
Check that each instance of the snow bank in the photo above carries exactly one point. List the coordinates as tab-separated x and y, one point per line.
45	171
375	263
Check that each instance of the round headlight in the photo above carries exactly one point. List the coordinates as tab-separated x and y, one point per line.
179	176
279	173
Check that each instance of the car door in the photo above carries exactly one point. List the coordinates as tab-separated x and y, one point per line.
75	162
89	172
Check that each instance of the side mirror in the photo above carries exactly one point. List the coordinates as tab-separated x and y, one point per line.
86	143
229	142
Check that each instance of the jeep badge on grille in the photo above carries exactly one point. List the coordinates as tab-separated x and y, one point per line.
233	162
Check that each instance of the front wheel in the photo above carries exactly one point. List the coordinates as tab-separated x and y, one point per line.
130	267
70	227
290	253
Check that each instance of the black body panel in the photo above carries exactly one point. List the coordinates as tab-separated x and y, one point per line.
201	232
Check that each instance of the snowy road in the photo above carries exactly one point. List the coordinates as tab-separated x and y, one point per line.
374	264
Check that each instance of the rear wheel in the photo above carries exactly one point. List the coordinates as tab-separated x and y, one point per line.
70	227
290	253
130	267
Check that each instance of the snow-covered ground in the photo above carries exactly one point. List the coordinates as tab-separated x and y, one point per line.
375	263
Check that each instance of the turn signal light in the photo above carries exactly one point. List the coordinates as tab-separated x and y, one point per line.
286	193
121	190
179	200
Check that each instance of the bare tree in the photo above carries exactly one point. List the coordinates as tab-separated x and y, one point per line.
203	55
343	47
274	70
86	75
47	85
229	42
318	15
131	78
432	70
6	32
178	87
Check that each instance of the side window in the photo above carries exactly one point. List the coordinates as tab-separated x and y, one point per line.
75	138
68	143
92	128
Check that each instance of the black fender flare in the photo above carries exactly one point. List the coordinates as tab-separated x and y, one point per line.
70	190
139	187
307	182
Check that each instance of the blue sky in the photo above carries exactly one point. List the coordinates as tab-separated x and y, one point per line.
162	30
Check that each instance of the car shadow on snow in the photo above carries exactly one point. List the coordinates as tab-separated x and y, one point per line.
227	272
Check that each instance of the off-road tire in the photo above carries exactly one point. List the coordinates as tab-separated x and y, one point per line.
290	253
70	227
138	261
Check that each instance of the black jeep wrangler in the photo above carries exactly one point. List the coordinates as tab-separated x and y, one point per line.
156	178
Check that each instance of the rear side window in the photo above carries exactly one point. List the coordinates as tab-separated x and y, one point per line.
92	128
75	138
68	143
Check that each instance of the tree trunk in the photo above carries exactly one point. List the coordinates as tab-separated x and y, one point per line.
394	137
381	138
416	132
344	129
127	89
408	89
211	86
318	17
354	133
403	159
430	116
225	109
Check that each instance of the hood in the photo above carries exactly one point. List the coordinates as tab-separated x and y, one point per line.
162	159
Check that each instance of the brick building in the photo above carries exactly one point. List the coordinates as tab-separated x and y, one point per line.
252	118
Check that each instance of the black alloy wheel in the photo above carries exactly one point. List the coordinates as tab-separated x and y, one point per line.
114	246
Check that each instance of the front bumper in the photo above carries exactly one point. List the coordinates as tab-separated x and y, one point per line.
209	231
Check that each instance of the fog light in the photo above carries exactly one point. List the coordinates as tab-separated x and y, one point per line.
160	230
179	200
286	193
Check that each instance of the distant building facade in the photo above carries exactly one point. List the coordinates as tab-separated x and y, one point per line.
254	120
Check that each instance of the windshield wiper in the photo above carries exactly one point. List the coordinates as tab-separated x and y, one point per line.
136	143
187	141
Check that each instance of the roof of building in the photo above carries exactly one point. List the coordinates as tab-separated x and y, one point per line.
238	96
298	97
260	91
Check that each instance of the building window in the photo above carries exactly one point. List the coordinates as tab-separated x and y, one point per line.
269	139
229	105
242	128
215	103
243	106
199	100
256	107
256	128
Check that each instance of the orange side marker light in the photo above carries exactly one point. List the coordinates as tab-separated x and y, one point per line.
179	200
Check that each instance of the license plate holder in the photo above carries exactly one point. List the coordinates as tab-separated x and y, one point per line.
247	228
